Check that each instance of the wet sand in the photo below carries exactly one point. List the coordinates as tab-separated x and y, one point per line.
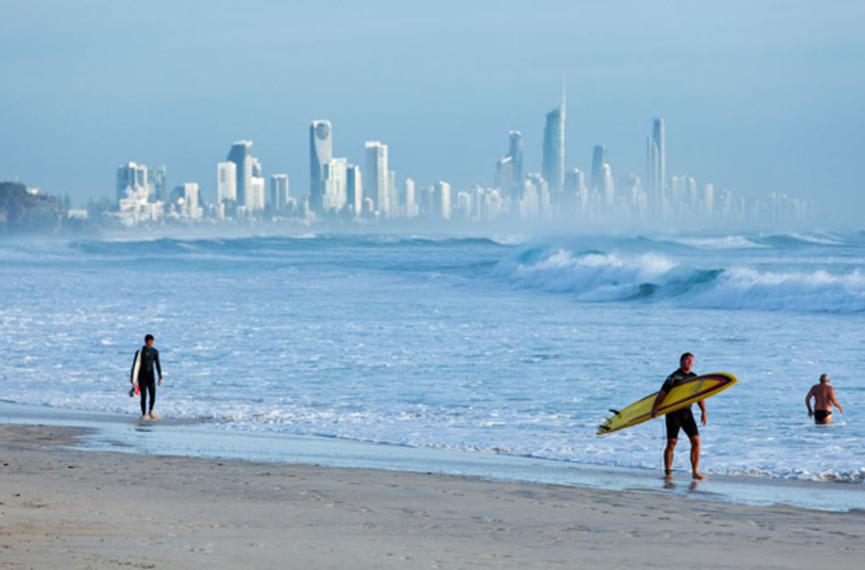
63	508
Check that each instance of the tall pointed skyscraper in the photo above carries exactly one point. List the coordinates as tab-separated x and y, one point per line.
554	146
515	151
656	168
320	153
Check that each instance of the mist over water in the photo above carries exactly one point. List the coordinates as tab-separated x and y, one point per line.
488	345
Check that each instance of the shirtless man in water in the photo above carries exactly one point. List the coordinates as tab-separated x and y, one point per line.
824	399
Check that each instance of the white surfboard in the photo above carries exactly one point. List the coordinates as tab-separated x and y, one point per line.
135	369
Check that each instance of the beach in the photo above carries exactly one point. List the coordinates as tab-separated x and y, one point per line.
70	508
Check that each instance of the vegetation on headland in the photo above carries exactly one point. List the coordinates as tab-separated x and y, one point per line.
25	210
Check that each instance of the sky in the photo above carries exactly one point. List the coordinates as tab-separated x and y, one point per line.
758	96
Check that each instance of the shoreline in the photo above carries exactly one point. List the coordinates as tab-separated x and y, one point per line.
68	507
121	434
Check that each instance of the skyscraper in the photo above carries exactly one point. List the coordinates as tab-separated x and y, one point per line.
599	159
656	168
708	200
575	188
241	155
443	199
505	176
554	146
185	198
334	176
515	152
226	182
132	179
157	179
609	185
392	194
279	192
411	209
256	194
354	189
320	153
377	176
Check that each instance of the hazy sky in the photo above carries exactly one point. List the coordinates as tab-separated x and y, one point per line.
758	96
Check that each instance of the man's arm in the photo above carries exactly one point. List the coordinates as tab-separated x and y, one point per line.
657	403
808	402
834	401
704	417
158	366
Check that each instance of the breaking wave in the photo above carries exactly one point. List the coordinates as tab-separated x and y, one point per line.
600	276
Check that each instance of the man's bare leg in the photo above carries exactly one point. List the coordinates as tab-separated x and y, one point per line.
695	458
668	458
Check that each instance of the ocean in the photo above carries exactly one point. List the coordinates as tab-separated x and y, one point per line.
502	345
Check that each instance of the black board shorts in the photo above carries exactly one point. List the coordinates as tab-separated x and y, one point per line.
820	416
681	419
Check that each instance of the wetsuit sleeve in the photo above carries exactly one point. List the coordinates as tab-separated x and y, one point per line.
158	366
132	370
668	384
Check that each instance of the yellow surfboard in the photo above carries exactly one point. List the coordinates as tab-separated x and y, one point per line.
687	393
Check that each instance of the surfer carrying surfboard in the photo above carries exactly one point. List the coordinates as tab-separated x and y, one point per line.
681	419
142	376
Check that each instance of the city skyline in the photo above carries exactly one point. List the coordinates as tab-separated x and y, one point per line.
557	194
752	109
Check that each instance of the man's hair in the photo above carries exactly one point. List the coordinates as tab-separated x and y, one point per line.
684	356
824	378
148	337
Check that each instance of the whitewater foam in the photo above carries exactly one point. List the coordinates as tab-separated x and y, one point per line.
463	344
599	276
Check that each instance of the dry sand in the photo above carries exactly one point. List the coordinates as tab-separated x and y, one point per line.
63	508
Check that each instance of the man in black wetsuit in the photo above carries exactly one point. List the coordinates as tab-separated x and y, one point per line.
681	419
149	359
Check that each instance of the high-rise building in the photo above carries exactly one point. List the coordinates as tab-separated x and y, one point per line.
255	195
377	176
515	152
529	204
186	201
132	180
463	209
335	179
656	167
599	159
241	155
505	175
539	202
443	199
609	185
279	194
428	201
392	194
411	207
708	199
630	189
354	189
575	189
693	199
554	147
226	182
320	153
157	178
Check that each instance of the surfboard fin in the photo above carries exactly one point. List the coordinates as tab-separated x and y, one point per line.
614	411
